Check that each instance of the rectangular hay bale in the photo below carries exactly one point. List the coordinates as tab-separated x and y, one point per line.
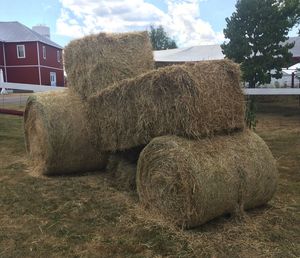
191	100
94	62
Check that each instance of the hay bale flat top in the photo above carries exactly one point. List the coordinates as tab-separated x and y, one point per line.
96	61
191	100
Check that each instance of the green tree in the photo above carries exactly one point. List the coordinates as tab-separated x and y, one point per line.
160	39
256	31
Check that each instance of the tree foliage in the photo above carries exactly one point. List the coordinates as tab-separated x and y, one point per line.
160	39
256	32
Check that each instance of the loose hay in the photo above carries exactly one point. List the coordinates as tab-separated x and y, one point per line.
94	62
192	182
121	168
122	172
56	136
191	100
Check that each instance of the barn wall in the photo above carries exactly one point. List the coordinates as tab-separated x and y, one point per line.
1	55
2	63
23	75
51	56
296	60
45	76
12	57
25	70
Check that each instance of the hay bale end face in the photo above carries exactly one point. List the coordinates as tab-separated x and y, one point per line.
56	136
192	182
192	100
94	62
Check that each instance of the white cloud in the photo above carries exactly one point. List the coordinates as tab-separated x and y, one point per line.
181	21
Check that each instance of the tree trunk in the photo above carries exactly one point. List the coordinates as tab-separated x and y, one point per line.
252	84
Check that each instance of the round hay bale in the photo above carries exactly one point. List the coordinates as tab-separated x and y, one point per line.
192	182
56	136
191	100
94	62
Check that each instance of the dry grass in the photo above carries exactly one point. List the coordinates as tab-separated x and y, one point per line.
84	216
191	100
56	135
192	182
96	61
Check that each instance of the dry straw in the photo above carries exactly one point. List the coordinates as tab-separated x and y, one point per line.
192	182
191	100
56	135
121	172
96	61
121	168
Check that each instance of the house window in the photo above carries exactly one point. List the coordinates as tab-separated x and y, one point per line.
21	51
58	56
44	52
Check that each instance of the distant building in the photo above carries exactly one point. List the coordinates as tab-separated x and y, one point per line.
188	54
29	57
206	52
296	49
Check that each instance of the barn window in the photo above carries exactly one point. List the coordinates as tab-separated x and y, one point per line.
58	56
44	52
21	51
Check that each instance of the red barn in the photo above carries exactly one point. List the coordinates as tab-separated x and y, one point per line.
29	57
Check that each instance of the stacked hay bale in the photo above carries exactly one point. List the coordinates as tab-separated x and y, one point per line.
57	137
191	100
97	61
199	161
195	174
194	181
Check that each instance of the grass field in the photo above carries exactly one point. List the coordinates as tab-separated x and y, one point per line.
85	216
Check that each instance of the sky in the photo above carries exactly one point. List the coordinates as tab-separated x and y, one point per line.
189	22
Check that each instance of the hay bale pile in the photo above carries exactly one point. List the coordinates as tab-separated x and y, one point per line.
199	161
192	182
191	100
97	61
57	136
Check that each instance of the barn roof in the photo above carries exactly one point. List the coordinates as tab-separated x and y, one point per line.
206	52
292	69
189	54
17	32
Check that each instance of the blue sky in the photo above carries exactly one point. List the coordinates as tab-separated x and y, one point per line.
189	22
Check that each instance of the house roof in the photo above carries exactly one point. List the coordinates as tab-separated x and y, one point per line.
189	54
292	69
206	52
17	32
